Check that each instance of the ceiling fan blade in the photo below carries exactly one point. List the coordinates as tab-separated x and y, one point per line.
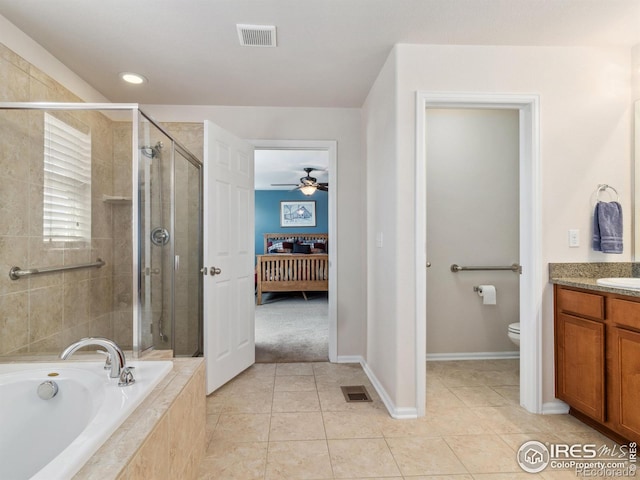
324	188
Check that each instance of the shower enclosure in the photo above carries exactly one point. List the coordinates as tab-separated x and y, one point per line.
170	186
108	204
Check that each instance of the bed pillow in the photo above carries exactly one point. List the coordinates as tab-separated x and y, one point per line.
320	246
273	247
298	248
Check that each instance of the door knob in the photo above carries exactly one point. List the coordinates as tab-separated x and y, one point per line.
214	271
203	270
428	264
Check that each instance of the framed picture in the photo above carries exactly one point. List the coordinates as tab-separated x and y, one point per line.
298	213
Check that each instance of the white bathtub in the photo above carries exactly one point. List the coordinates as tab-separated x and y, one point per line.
52	439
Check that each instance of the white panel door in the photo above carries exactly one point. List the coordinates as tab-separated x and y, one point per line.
229	302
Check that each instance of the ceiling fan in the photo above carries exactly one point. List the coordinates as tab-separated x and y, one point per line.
308	185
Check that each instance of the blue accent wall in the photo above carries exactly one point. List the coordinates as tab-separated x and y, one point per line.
268	213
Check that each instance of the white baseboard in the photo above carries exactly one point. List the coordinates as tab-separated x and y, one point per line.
350	359
395	412
555	407
439	357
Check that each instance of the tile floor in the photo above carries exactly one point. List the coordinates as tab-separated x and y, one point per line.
290	421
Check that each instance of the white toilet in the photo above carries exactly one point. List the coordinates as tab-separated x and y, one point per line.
514	333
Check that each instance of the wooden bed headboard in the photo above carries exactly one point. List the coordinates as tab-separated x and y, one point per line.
305	237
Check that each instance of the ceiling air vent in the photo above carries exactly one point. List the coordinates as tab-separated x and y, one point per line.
257	35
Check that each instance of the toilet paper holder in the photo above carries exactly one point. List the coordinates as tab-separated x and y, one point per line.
487	292
477	289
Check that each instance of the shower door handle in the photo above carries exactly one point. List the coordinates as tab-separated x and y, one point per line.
214	271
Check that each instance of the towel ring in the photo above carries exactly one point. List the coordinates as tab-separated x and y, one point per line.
604	187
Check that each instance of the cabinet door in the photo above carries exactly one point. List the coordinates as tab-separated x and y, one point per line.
626	381
580	364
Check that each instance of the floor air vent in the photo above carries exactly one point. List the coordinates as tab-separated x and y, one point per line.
356	393
257	35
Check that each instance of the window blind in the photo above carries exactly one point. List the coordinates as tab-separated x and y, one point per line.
67	182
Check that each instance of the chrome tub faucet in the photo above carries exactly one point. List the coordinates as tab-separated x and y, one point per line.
118	369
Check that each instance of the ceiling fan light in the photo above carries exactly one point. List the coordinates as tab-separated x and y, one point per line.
308	190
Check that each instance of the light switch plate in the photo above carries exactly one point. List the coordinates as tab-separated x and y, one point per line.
574	238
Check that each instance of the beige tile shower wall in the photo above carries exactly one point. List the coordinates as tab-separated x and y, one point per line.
44	314
189	134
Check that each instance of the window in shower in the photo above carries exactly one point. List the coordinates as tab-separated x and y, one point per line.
67	181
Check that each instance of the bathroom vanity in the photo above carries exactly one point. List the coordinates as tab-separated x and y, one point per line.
597	355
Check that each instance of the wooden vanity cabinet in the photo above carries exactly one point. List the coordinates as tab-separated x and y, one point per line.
597	359
625	365
580	351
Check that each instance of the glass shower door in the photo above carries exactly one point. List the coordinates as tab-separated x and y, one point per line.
155	246
170	245
188	233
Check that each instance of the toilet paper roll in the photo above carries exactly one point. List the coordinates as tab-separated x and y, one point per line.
488	294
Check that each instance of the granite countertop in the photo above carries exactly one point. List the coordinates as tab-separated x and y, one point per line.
584	275
590	284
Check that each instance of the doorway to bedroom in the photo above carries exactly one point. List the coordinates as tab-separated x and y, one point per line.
295	306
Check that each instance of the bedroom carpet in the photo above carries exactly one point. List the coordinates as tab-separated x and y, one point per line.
290	329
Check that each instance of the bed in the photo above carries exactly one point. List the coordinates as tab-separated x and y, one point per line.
293	262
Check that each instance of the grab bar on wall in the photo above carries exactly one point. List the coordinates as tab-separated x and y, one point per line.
16	272
517	268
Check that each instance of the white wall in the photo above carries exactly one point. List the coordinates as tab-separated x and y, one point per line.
585	140
382	282
635	73
343	125
472	219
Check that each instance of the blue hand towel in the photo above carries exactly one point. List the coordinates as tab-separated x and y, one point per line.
607	227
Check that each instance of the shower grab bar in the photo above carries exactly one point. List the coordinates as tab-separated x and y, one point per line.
16	272
517	268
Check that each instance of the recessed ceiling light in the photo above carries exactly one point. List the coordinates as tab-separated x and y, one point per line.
134	78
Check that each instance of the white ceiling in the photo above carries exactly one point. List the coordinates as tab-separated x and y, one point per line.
287	166
329	51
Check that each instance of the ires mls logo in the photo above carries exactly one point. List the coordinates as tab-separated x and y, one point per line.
533	456
563	450
587	460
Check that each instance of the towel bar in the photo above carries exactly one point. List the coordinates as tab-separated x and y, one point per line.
517	268
16	272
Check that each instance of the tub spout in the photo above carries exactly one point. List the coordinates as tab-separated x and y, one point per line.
118	361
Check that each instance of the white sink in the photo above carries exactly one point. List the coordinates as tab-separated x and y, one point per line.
630	283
